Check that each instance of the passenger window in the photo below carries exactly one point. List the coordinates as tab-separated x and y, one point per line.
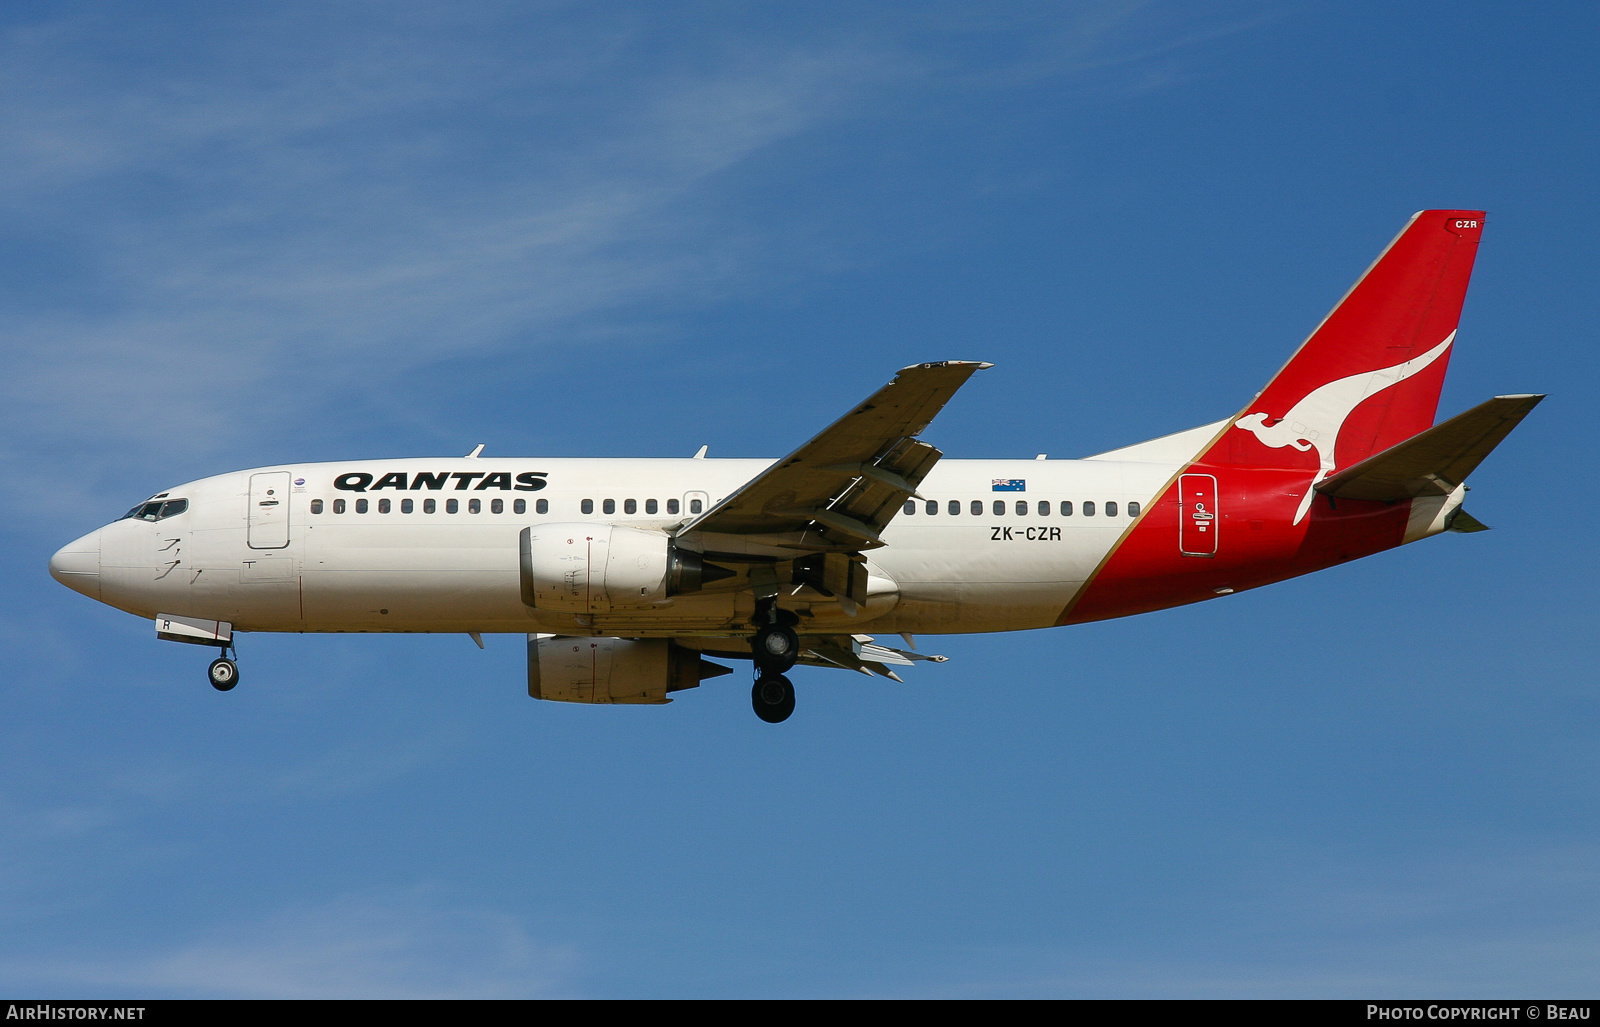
1066	508
910	507
1133	509
338	506
977	508
1022	508
651	506
955	507
316	506
474	506
933	507
630	506
587	506
539	506
520	505
497	506
361	506
608	506
406	506
999	508
383	506
1088	508
1044	507
452	506
429	506
672	506
695	506
1111	508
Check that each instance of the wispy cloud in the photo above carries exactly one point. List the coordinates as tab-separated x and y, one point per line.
391	945
239	243
221	222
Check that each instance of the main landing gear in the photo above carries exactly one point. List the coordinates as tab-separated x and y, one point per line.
775	649
773	698
223	672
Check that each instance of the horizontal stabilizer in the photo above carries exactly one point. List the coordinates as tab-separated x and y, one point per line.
1435	461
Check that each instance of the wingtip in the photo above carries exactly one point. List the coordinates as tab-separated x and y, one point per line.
976	365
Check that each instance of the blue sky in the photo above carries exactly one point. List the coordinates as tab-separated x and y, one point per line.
306	232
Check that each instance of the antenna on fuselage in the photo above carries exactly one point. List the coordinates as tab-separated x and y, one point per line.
475	451
702	454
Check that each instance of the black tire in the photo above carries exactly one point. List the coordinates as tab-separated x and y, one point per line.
773	698
776	647
224	674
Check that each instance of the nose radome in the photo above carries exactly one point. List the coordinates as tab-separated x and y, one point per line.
77	565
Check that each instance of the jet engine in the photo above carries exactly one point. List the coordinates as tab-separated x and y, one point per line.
613	670
597	568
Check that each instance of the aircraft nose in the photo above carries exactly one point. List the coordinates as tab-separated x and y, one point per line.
77	565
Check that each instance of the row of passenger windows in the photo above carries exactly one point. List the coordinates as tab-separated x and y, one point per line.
432	506
1087	507
631	506
155	511
518	506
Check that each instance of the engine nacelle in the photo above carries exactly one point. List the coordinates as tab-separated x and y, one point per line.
597	568
613	670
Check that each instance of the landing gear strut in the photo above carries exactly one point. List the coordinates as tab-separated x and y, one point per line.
775	648
223	672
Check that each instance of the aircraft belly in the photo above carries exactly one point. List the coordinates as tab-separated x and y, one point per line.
439	589
411	599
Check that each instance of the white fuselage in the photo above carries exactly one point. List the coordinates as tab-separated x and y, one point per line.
442	559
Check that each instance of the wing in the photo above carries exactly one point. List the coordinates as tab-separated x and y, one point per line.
836	493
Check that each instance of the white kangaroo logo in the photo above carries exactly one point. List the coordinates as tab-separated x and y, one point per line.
1317	419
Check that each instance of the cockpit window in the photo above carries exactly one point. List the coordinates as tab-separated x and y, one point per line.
156	510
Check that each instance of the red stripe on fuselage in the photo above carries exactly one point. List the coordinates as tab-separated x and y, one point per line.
1257	543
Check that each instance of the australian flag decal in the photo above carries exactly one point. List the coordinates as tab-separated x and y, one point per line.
1010	484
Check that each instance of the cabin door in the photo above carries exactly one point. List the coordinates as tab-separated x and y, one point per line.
1198	520
269	510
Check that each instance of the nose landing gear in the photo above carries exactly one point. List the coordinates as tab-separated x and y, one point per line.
223	672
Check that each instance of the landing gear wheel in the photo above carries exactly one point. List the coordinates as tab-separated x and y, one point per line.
776	647
773	698
224	674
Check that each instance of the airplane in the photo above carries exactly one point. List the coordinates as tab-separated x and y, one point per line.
630	577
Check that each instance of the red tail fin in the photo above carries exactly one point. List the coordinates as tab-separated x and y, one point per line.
1369	376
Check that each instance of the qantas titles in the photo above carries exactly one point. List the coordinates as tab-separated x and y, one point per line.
361	481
